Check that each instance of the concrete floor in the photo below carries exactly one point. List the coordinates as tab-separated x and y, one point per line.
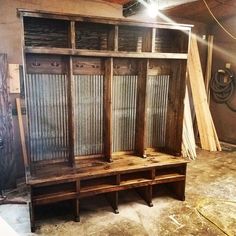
211	177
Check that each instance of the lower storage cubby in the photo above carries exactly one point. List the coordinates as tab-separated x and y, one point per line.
95	186
170	174
53	193
135	178
144	179
174	189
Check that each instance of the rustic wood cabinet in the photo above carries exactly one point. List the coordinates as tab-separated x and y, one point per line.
104	102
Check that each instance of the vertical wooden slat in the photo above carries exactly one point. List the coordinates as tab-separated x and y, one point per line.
171	112
116	38
72	34
7	162
107	131
174	126
141	108
22	134
70	95
208	136
153	40
147	41
209	65
181	80
112	41
77	207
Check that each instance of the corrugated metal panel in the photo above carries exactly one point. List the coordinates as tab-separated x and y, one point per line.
124	96
88	114
47	116
157	98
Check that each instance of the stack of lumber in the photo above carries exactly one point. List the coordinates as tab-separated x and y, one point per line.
207	132
188	139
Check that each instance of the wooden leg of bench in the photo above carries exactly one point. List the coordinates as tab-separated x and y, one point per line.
178	188
32	217
77	216
113	199
146	194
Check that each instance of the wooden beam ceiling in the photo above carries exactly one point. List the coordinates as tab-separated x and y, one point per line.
196	11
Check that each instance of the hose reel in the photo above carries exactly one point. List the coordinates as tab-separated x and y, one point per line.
223	87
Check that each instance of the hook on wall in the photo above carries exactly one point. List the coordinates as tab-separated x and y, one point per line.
35	64
79	65
55	64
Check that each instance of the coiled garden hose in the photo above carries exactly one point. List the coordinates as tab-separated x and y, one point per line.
223	87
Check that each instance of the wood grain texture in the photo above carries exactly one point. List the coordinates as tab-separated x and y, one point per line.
71	123
107	132
208	137
141	108
7	161
103	53
22	133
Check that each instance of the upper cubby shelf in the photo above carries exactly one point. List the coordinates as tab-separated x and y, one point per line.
80	35
42	32
93	36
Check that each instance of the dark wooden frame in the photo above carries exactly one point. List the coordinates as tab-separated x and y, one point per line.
175	116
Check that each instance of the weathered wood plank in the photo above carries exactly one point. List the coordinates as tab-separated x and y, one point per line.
71	112
97	19
208	137
22	134
97	53
72	35
122	164
7	161
141	109
108	109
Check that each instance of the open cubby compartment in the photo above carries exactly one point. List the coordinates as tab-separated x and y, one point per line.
42	32
171	41
54	189
134	39
124	104
97	183
47	104
162	172
88	106
136	177
94	36
157	92
159	74
166	83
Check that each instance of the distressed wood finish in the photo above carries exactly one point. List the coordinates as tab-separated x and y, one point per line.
125	172
71	112
107	132
97	19
7	162
141	108
104	53
118	52
22	134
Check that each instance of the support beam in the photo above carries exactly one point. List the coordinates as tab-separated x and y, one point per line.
71	112
141	109
107	132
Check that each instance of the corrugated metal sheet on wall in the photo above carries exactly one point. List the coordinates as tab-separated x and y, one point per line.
88	114
124	99
157	99
47	116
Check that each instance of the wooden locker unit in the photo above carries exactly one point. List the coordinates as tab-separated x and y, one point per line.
104	107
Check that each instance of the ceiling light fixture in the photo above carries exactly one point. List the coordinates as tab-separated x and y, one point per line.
153	9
